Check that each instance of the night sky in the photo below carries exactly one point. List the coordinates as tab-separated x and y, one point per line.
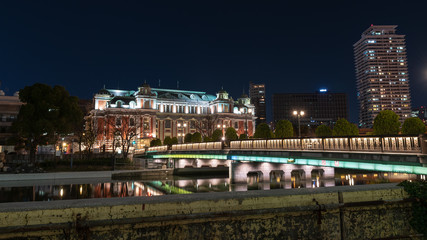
204	45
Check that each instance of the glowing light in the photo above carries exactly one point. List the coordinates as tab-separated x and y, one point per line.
312	162
323	90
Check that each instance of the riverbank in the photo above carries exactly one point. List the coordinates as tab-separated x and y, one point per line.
320	213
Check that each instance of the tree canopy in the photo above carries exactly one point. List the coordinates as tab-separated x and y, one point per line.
155	142
231	134
413	126
263	131
323	131
243	136
188	138
167	141
217	135
386	123
284	129
47	113
196	137
174	140
345	128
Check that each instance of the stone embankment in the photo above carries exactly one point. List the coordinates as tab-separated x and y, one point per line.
357	212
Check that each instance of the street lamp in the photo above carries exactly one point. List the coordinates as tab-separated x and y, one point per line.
223	129
181	130
299	114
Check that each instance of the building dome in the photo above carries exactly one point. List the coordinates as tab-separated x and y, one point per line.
244	96
145	85
104	92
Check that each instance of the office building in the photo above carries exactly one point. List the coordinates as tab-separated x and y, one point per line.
382	74
257	96
321	107
9	110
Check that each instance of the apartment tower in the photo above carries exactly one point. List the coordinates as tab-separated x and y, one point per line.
382	74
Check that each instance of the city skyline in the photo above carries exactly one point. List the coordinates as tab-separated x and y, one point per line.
290	48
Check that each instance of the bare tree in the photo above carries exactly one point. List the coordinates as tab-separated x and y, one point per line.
207	124
88	138
123	131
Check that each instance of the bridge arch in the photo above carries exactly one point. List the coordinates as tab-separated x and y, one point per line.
277	179
255	180
298	178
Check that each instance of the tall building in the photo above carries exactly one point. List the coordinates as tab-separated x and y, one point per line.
382	74
321	107
257	96
149	113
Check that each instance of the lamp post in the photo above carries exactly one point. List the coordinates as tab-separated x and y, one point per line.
181	130
299	114
223	130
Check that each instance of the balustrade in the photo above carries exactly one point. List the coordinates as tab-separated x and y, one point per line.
373	144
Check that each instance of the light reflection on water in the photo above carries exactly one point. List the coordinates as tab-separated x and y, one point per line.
110	189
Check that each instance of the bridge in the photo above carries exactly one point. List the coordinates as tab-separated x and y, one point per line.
401	154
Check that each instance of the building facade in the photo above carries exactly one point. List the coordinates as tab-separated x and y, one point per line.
420	113
319	108
151	113
257	96
9	110
382	74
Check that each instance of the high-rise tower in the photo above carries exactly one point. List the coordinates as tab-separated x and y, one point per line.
257	95
382	74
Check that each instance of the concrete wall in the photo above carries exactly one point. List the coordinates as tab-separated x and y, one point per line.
358	212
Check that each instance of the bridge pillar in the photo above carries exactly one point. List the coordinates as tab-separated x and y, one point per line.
238	173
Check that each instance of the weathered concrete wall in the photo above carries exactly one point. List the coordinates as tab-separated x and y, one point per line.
361	212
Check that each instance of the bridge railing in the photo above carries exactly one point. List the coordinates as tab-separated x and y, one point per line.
197	146
139	151
368	143
158	149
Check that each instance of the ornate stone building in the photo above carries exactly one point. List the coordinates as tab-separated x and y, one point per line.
150	113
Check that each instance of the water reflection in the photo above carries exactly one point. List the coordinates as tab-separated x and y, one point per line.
255	181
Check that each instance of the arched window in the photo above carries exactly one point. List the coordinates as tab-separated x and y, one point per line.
119	104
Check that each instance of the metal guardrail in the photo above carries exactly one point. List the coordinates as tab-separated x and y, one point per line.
373	144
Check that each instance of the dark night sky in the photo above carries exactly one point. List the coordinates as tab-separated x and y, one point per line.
204	45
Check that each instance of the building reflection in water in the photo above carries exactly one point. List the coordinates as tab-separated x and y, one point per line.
297	179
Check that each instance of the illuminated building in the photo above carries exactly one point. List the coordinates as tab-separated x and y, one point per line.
9	109
321	107
160	113
257	96
382	74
